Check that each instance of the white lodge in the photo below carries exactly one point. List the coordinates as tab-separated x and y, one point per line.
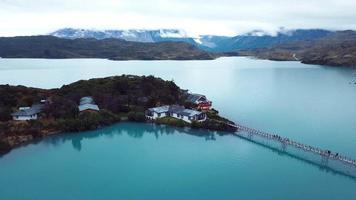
178	112
27	113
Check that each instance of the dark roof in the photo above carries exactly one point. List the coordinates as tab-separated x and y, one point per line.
194	97
175	108
88	107
189	112
35	109
161	109
86	100
87	103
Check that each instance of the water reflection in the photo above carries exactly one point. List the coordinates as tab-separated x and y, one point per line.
301	158
137	130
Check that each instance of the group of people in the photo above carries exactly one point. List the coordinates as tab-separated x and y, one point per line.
327	153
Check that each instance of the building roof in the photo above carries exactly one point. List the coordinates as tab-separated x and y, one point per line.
33	110
87	100
87	103
88	107
194	97
161	109
180	110
189	112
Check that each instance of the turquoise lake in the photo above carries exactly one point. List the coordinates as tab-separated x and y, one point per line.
312	104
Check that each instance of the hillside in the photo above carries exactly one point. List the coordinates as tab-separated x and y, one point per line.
259	39
336	49
115	49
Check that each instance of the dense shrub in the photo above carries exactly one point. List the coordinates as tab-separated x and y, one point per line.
87	121
4	147
60	107
5	113
172	121
136	116
214	115
213	125
70	125
107	117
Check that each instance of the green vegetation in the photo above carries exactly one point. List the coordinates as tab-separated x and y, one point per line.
87	121
136	116
214	115
172	122
4	147
215	125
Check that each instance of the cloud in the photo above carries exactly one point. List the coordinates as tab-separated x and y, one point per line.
221	17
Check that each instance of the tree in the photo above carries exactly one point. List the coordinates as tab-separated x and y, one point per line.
5	113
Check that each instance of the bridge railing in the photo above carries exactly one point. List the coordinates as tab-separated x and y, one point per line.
286	141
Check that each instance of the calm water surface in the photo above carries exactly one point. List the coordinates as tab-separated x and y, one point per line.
312	104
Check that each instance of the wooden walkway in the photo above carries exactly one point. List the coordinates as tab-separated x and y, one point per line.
325	154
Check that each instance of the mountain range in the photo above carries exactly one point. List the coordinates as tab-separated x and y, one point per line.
252	40
133	35
312	46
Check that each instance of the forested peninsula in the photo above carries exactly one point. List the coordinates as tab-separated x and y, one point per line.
118	98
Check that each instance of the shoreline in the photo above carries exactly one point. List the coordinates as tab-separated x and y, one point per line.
225	55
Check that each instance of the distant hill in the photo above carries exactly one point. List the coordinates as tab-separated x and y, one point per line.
338	49
54	47
259	39
335	49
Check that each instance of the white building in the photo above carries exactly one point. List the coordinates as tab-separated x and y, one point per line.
27	113
87	104
178	112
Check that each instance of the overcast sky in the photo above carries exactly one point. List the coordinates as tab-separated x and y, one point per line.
219	17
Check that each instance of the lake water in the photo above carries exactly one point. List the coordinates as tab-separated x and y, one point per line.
312	104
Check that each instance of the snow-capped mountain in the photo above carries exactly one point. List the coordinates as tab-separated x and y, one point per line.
135	35
251	40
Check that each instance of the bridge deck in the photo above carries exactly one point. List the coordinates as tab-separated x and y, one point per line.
286	141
